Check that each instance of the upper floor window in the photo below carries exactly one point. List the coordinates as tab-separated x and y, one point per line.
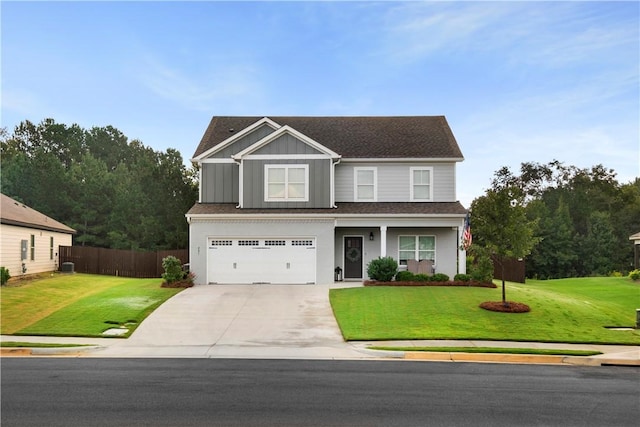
421	184
365	184
286	183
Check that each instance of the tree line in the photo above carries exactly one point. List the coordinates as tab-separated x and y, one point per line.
115	192
568	221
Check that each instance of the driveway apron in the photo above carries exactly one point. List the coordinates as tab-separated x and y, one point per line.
252	321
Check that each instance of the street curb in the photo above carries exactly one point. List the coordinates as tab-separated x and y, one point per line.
516	358
46	351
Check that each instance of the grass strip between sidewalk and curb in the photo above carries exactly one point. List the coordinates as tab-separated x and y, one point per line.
492	350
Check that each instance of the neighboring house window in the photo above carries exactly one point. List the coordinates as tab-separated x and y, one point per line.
288	183
33	247
51	247
421	188
416	247
365	184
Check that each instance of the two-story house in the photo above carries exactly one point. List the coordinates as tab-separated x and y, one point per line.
290	199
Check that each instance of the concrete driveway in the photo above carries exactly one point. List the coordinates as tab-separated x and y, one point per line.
241	321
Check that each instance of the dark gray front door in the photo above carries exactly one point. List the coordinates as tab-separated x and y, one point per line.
353	257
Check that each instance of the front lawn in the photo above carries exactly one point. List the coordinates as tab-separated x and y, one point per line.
80	305
567	310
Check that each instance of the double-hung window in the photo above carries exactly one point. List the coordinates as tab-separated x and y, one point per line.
286	183
416	247
365	183
421	184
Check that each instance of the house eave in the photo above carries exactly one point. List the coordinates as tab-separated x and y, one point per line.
401	159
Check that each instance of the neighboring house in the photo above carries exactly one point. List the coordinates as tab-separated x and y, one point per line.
30	239
635	238
290	199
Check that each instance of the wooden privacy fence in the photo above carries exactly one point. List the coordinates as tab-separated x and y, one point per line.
513	270
117	262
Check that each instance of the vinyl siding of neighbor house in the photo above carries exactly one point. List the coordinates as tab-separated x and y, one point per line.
394	181
43	261
243	142
319	187
219	183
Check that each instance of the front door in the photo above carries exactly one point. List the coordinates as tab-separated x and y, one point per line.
353	257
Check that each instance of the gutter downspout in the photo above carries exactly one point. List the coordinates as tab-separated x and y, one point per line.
332	202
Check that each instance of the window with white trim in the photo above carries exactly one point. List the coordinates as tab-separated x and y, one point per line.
416	247
286	183
421	184
365	184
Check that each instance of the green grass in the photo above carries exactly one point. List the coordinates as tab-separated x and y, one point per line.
18	344
567	310
79	305
502	350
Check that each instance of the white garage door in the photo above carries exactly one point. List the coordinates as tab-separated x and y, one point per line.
260	260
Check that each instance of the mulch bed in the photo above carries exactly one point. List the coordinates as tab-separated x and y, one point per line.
449	283
178	284
507	307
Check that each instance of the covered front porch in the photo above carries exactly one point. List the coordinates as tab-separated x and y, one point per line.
359	241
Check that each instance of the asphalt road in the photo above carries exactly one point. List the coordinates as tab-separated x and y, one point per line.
212	392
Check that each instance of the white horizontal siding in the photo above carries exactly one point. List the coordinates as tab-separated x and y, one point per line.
42	262
394	181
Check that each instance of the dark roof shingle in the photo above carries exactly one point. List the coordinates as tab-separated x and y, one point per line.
356	137
15	213
348	208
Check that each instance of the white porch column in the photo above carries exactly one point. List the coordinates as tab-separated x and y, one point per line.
383	240
462	254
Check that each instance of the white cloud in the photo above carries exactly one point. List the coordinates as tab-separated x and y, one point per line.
205	90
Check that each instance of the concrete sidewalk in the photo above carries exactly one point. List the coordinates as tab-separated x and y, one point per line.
279	322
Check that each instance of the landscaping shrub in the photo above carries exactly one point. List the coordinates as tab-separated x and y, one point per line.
480	266
382	269
4	275
634	275
172	269
461	278
439	277
405	276
421	278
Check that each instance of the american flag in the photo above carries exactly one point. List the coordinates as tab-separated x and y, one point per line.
466	233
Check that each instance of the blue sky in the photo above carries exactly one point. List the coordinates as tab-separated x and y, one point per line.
517	81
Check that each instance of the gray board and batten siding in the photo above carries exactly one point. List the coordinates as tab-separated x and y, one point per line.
220	183
319	188
286	144
243	142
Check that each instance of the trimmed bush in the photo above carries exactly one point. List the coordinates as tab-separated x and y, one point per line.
422	278
461	278
405	276
439	277
172	269
382	269
4	275
634	275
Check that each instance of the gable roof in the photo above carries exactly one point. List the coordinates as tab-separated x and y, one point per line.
15	213
282	131
354	137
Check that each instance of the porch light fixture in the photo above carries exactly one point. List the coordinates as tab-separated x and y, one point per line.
371	236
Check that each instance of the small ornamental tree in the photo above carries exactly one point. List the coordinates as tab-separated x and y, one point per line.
382	269
501	225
